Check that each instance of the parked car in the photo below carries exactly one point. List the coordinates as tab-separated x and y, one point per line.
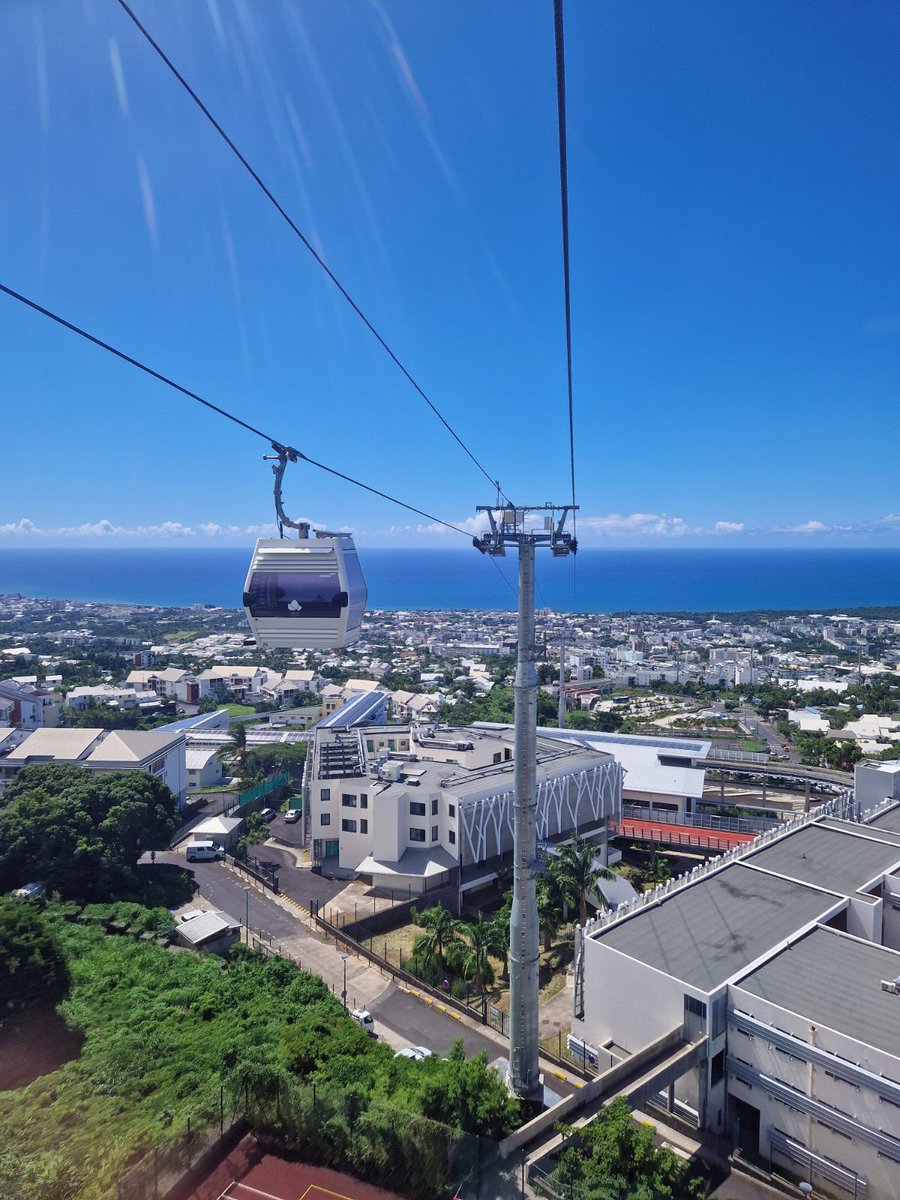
292	816
268	814
416	1053
30	891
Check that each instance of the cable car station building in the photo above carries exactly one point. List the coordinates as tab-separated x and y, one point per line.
780	964
417	808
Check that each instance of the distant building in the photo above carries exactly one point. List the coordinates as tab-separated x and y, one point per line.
203	769
28	706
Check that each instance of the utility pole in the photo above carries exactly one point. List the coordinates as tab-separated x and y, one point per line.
562	684
508	528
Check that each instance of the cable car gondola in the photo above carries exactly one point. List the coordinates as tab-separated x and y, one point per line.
304	594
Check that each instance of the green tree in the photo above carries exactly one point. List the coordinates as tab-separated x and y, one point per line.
615	1156
549	905
237	753
473	956
32	965
442	931
578	873
467	1094
78	832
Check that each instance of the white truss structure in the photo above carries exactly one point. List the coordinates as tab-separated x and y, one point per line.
565	803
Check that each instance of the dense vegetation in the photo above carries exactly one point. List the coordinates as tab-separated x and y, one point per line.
32	965
80	833
171	1037
616	1157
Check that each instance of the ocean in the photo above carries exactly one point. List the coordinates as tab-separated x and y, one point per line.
664	580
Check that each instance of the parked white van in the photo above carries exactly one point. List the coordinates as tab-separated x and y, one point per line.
364	1018
204	851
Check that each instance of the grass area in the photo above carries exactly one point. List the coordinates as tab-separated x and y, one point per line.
754	745
239	710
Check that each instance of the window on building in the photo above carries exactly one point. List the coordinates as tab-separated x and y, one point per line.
325	819
507	755
364	802
451	810
370	746
404	745
416	835
348	801
325	794
498	757
434	808
364	826
696	1007
392	744
416	808
434	833
452	836
717	1068
348	825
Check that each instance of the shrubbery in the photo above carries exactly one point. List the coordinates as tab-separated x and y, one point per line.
169	1037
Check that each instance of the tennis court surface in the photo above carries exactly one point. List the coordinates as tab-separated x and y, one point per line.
248	1173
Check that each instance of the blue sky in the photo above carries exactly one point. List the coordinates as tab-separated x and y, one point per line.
734	188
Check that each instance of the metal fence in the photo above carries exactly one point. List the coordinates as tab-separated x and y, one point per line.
701	820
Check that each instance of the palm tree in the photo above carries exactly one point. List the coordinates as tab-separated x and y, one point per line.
500	921
237	751
484	939
578	874
549	906
441	931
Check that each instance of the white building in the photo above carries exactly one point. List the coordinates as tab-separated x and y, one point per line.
420	808
775	957
28	706
203	769
80	698
160	754
663	777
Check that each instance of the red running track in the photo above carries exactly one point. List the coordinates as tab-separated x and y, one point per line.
679	835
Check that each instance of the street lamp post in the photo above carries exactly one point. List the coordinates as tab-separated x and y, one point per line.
344	991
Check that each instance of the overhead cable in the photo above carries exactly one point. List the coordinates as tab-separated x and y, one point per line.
270	196
564	204
274	442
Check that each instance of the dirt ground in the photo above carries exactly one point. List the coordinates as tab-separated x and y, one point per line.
34	1044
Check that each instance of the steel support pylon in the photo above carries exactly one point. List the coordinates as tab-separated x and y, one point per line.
524	952
510	527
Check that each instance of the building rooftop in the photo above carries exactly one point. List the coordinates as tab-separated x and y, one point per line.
206	927
705	933
887	822
827	857
833	979
357	710
132	746
60	745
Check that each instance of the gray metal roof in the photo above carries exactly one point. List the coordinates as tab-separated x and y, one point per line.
827	857
835	980
889	820
705	933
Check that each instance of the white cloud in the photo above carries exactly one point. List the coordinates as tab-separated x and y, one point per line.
617	525
729	527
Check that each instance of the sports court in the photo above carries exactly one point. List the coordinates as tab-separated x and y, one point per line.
249	1173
